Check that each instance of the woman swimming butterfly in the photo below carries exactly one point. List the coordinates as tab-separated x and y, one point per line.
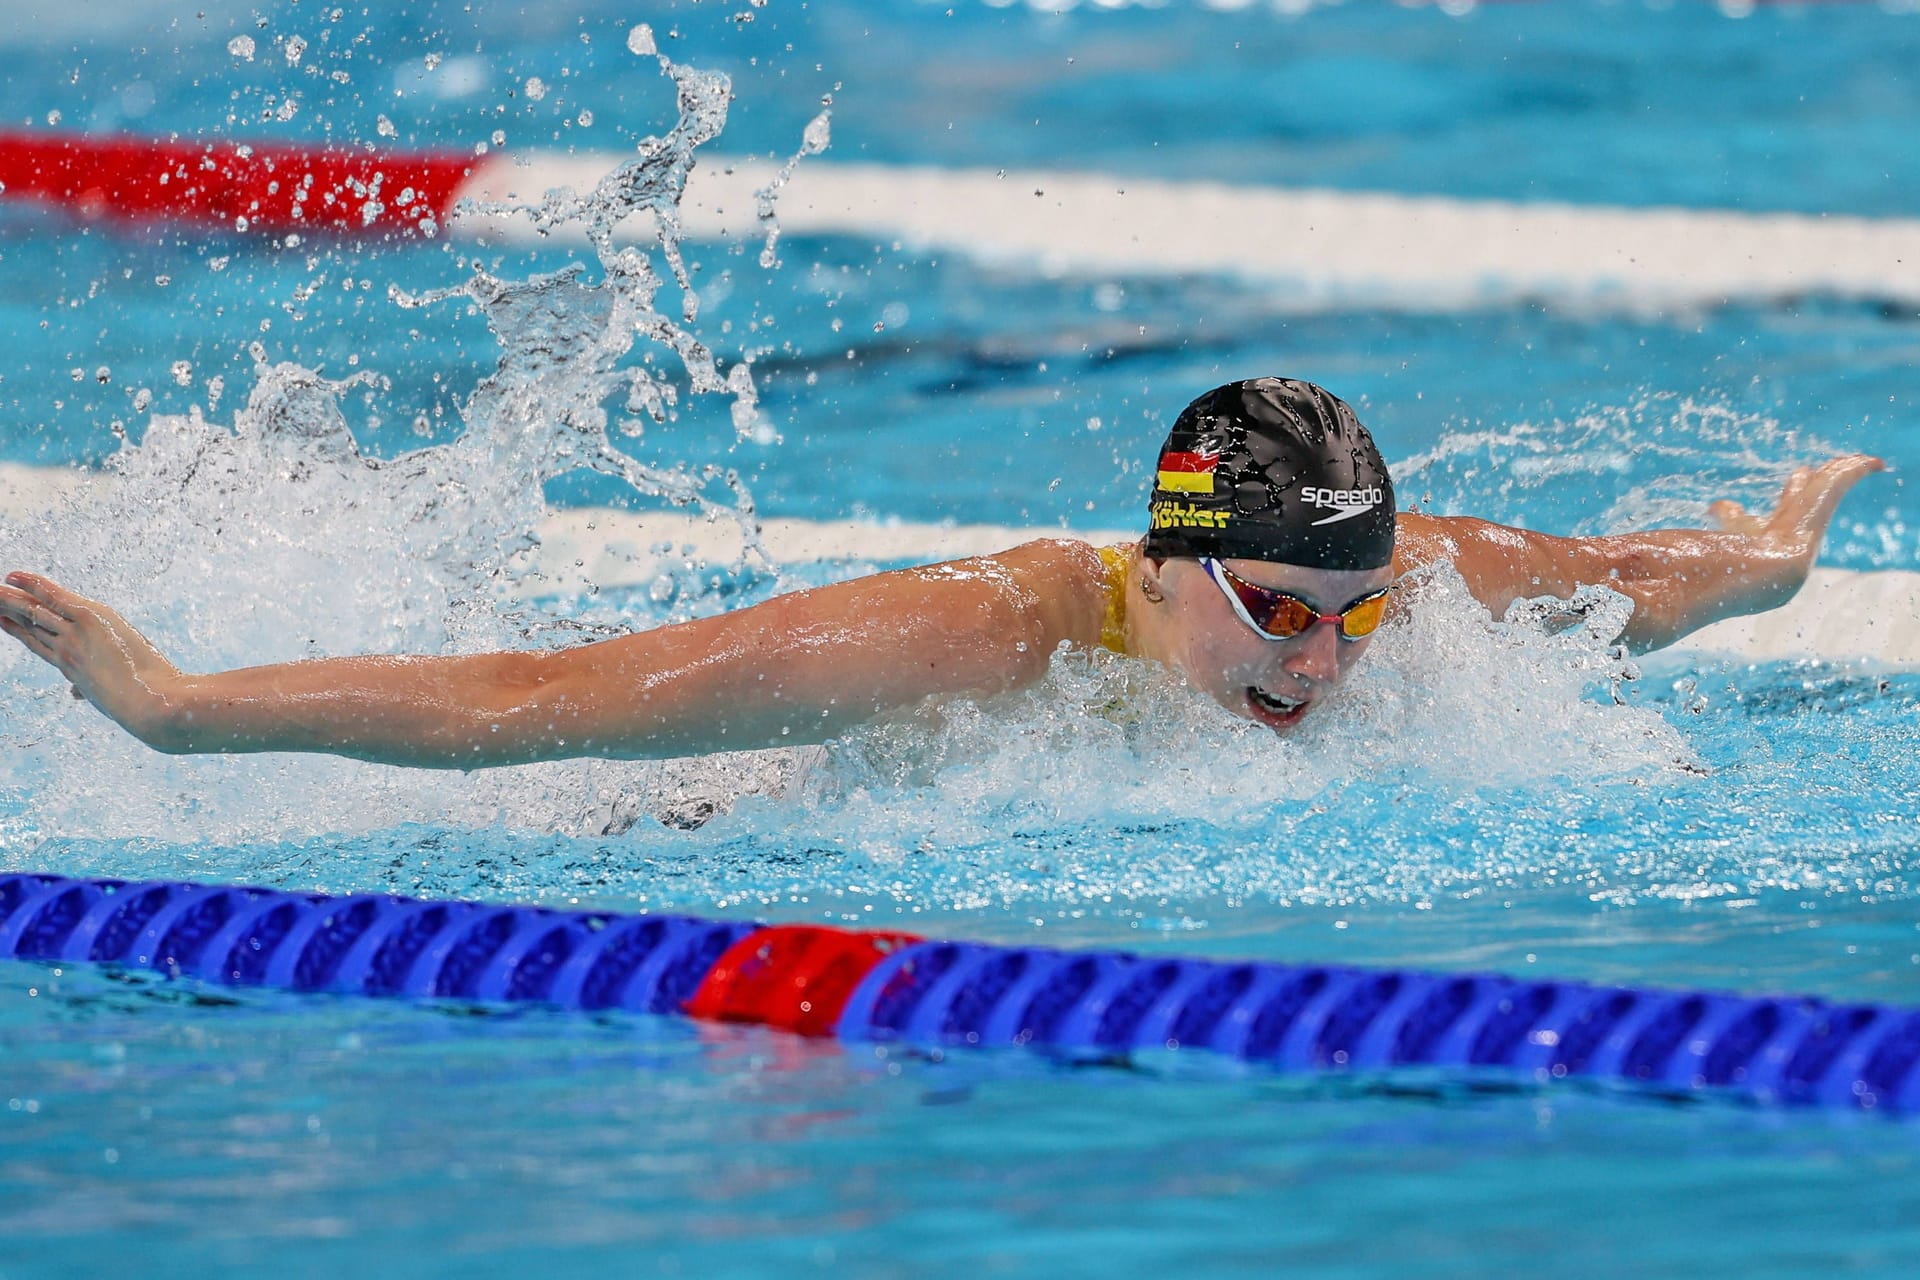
1270	562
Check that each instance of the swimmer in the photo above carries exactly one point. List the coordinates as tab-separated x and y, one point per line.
1271	559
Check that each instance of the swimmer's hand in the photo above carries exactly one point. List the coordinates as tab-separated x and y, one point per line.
1782	543
106	661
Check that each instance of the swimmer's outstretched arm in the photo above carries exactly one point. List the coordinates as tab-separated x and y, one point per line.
798	668
1679	579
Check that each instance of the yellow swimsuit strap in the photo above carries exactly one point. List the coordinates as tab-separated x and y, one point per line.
1113	629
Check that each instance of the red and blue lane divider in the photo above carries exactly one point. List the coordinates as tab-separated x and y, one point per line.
819	981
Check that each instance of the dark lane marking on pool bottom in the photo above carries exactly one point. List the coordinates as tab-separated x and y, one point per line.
821	981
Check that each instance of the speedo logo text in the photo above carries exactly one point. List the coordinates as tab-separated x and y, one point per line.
1346	503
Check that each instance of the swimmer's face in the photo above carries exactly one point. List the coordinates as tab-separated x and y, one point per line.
1271	682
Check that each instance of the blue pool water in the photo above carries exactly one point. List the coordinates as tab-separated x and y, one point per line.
1483	799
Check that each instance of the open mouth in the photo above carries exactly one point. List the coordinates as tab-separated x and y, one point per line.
1273	709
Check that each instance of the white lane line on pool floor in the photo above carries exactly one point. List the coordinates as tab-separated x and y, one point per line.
1841	615
1330	247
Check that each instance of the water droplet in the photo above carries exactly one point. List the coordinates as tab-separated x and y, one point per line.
640	41
241	47
818	135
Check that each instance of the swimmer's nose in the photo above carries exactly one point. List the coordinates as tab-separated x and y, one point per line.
1315	656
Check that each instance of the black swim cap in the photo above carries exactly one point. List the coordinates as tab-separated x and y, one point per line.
1272	469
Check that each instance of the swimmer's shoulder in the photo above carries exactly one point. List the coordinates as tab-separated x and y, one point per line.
1420	540
1069	582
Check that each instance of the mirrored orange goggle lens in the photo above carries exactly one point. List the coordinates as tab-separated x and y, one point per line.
1363	619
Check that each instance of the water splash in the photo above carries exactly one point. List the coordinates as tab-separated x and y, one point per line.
1701	449
815	140
275	539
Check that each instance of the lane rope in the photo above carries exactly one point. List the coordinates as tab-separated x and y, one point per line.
818	981
263	187
1330	248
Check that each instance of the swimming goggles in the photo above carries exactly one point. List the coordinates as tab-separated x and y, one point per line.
1279	616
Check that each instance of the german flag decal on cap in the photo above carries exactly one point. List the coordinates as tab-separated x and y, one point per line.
1186	472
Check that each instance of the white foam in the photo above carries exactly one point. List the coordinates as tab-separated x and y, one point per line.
1330	247
1840	615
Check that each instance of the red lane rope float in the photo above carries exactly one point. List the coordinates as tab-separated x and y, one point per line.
823	981
263	187
795	977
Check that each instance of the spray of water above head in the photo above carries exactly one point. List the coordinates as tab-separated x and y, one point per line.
277	537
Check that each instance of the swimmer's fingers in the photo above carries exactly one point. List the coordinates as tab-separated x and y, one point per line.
1734	518
44	589
1812	494
37	642
40	603
30	611
1805	508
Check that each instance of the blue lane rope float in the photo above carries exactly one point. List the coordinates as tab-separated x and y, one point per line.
890	986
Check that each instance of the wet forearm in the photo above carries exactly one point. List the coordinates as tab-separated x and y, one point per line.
1678	579
1681	580
447	712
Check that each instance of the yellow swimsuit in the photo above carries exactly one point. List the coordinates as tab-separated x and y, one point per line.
1113	630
